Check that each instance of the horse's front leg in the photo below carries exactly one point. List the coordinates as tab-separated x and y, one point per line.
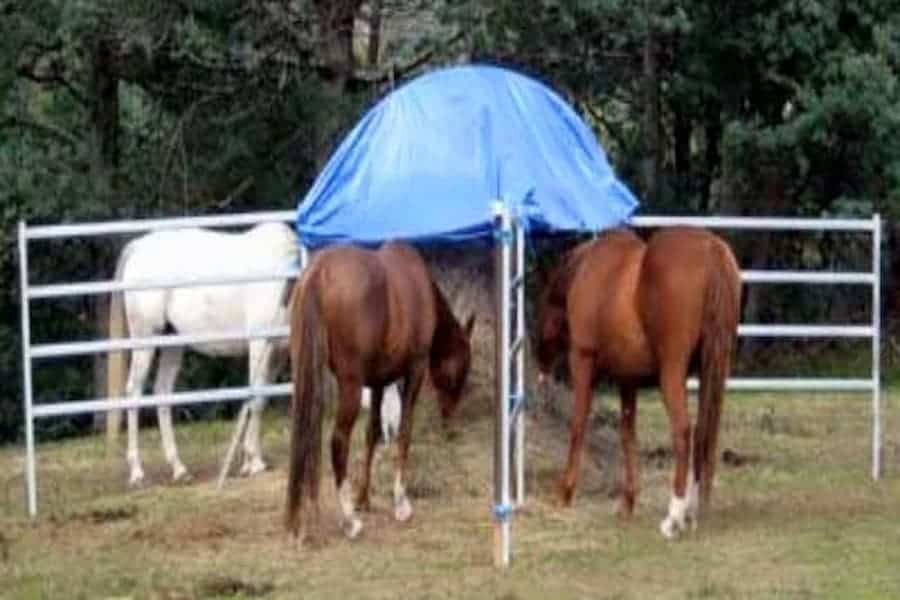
373	435
581	368
402	506
348	410
628	438
672	382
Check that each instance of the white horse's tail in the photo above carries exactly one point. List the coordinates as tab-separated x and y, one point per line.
116	364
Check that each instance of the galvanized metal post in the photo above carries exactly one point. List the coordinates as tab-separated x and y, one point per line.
304	256
876	347
502	508
520	361
30	467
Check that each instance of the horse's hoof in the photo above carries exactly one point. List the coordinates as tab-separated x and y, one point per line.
352	528
565	494
671	528
136	479
403	510
625	513
253	467
181	475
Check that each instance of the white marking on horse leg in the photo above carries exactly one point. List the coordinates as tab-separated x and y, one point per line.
675	521
402	507
349	521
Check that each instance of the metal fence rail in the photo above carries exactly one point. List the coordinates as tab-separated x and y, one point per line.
871	331
508	230
46	351
30	352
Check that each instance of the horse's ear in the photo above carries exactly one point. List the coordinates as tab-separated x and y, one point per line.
470	325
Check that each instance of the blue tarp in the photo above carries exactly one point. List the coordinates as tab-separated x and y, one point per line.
431	158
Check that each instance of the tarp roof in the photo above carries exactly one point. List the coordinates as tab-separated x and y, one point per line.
430	159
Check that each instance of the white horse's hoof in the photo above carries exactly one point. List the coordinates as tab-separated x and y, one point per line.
403	510
352	528
253	467
180	474
668	528
136	480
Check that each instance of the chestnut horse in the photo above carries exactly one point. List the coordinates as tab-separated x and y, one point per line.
646	314
373	317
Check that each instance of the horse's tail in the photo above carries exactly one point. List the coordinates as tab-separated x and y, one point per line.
115	363
308	358
719	331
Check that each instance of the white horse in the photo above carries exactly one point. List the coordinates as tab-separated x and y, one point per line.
201	309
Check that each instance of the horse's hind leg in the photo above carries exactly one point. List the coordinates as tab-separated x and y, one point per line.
581	367
672	381
373	435
260	356
141	361
348	410
628	397
402	506
166	372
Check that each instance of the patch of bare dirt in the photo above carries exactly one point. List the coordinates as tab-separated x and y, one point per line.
228	586
733	458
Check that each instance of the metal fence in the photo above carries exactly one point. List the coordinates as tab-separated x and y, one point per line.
509	431
31	352
870	279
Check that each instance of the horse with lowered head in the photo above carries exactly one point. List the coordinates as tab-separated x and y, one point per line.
373	317
644	313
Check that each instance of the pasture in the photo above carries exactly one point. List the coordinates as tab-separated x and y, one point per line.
795	515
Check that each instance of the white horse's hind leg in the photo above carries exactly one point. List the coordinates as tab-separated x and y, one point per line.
166	372
137	374
260	355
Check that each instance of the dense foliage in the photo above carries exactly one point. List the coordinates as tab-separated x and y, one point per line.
112	108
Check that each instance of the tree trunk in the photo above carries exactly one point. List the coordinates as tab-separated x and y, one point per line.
335	46
683	156
652	150
374	32
104	128
774	199
713	158
104	99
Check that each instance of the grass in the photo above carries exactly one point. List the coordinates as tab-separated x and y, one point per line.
798	518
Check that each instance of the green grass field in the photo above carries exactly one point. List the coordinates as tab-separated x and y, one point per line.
795	515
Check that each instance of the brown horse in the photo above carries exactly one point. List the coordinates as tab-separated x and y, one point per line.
373	317
642	314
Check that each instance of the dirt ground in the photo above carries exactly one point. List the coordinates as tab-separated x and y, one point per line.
795	515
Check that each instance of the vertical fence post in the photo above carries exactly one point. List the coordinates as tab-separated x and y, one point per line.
502	508
520	361
304	256
876	347
30	467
